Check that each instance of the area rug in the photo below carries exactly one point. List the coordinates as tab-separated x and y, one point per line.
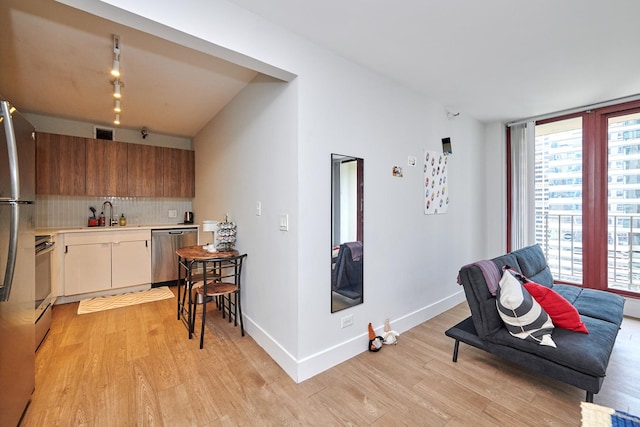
91	305
601	416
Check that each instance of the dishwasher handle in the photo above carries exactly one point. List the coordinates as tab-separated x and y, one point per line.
177	231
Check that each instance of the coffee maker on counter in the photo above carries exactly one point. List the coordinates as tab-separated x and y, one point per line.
188	217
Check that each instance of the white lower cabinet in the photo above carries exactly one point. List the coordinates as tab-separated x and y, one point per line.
100	261
130	263
87	268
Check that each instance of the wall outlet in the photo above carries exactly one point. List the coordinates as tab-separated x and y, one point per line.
346	321
173	213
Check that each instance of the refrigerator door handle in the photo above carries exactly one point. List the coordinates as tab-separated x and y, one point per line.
12	150
5	287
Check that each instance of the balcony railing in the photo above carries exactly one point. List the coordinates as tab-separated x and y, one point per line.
561	239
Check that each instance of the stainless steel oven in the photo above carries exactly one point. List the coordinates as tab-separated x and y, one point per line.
43	300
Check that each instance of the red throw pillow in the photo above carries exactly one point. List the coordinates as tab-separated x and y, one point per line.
562	313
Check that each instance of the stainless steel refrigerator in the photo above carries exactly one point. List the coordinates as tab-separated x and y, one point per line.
17	264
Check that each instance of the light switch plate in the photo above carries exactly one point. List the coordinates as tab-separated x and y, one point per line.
258	208
284	222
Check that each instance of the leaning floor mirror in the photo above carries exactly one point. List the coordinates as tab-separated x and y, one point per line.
347	213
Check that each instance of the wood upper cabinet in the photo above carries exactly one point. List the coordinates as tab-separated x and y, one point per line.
106	168
74	166
178	173
60	164
144	170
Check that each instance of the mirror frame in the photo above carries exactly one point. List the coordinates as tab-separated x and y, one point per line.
347	284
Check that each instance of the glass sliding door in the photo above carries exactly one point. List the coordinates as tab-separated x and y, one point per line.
623	202
558	196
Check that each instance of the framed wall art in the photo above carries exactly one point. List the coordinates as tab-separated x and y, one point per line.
436	188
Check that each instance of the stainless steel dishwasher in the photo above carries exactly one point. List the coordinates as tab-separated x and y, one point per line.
164	261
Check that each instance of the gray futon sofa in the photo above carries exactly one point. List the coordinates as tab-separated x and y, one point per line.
579	359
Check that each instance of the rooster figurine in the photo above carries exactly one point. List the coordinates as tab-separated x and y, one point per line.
389	336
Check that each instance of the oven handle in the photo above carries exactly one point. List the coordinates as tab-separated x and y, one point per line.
46	250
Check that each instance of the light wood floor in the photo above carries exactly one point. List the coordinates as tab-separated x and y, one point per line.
135	366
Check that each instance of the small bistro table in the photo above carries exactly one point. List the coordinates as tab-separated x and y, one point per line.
190	258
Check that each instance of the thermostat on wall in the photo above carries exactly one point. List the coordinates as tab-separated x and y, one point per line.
446	146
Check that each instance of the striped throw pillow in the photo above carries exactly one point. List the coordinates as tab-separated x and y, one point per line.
521	313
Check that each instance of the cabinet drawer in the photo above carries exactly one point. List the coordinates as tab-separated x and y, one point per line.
71	239
130	236
106	236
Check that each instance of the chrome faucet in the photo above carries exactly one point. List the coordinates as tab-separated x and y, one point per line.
112	221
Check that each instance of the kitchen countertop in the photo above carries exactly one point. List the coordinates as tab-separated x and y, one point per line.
58	230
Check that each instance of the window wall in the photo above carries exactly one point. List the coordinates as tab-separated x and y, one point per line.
587	196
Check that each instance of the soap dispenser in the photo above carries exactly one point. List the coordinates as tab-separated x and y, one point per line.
101	221
123	220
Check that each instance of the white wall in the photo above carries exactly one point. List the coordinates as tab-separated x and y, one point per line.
411	260
248	154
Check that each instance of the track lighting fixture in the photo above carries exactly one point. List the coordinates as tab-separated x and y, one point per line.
115	69
117	84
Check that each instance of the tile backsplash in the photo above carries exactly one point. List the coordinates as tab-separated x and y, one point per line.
70	211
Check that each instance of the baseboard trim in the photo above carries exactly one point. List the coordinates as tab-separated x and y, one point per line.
302	369
632	307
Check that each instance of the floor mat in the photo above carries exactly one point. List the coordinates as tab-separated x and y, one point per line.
91	305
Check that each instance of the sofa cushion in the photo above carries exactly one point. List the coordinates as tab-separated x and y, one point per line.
586	353
562	313
481	303
523	317
509	260
594	303
532	264
568	292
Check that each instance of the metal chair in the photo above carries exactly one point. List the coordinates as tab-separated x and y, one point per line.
224	288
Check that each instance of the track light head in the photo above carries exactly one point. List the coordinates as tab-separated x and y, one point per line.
115	69
117	84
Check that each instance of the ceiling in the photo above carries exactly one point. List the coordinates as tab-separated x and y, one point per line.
56	61
494	60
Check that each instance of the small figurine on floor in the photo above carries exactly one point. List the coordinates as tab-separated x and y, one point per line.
389	336
375	343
